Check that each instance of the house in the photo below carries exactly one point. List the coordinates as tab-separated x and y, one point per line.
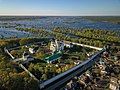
27	58
31	50
77	62
114	84
68	44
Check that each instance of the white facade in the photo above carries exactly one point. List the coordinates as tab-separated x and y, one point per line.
53	46
68	45
31	50
61	46
56	46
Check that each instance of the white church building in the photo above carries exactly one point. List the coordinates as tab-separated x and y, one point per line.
56	45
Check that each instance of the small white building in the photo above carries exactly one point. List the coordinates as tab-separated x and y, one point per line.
31	50
27	58
77	62
68	45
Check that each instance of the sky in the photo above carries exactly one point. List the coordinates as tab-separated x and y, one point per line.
60	7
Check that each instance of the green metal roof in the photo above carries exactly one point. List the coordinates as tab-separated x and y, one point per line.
53	57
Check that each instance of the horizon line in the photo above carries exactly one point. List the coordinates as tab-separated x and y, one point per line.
59	15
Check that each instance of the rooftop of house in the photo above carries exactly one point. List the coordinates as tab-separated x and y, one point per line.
54	56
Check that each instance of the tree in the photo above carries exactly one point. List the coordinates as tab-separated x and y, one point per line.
44	77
